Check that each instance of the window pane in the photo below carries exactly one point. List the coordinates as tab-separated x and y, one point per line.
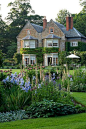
51	30
32	44
26	61
55	40
32	59
49	44
55	61
49	41
74	44
26	44
55	44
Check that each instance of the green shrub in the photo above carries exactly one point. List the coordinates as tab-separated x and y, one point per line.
2	75
49	109
2	100
80	109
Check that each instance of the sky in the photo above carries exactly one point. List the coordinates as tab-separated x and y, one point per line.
48	8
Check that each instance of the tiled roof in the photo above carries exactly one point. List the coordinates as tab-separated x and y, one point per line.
71	33
29	37
52	36
38	28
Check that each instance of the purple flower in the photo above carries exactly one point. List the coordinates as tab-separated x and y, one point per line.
58	78
39	85
70	76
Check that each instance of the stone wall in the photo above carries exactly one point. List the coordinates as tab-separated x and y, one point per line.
33	33
57	32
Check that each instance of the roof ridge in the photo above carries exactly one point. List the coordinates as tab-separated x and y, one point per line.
59	23
37	25
76	31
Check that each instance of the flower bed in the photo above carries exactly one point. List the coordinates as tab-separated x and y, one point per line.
20	91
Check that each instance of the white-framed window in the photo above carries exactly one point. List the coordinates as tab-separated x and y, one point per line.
51	30
73	44
29	44
49	43
52	43
26	44
32	44
32	60
55	43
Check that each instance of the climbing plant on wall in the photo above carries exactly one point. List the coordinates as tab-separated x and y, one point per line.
39	52
81	47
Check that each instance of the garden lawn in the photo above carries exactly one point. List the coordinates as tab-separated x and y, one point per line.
13	70
79	97
76	121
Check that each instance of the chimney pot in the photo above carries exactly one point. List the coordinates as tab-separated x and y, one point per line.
69	23
44	17
44	22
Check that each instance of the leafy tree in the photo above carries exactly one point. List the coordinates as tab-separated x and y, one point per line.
11	49
17	57
3	36
1	58
19	10
61	16
79	21
20	13
82	56
83	4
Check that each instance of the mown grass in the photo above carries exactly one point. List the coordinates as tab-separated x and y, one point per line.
76	121
19	70
79	97
13	70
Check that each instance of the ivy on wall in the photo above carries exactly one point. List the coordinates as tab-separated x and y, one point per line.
81	47
39	52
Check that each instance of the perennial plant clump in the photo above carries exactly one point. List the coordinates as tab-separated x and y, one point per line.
13	115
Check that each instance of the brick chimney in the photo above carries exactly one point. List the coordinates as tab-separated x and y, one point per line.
69	22
44	22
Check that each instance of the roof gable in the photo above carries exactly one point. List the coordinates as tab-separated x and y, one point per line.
38	28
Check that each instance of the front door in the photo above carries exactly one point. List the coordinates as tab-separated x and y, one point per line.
49	61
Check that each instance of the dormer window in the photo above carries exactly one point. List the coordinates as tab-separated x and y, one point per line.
51	30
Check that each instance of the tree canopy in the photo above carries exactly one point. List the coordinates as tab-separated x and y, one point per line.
83	4
79	22
61	16
20	12
1	58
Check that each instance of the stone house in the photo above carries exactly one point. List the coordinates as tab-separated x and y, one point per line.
51	35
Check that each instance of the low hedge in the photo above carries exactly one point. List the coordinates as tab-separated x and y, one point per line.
49	109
